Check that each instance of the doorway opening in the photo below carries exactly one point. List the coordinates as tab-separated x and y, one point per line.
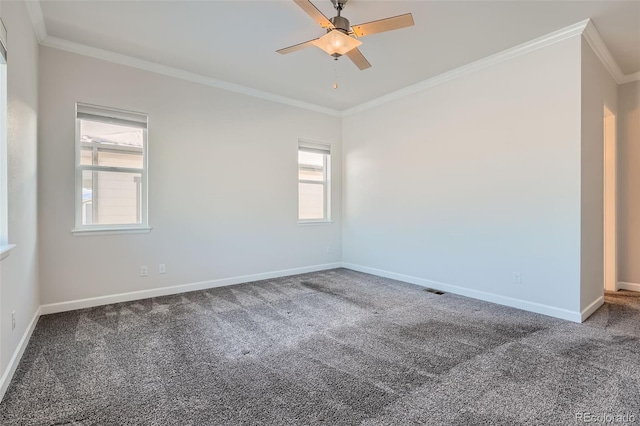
610	256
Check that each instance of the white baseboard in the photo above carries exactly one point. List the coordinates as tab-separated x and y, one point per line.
628	286
17	355
539	308
53	308
586	312
5	380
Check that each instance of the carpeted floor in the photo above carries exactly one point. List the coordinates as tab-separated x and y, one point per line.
328	348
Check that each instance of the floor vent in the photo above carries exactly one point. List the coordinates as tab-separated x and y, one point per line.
434	291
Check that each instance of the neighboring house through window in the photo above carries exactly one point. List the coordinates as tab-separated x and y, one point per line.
111	169
314	192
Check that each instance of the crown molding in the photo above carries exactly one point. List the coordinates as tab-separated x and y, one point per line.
630	78
505	55
37	19
586	28
106	55
592	36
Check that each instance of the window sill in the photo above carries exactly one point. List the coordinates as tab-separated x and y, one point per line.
314	222
109	231
5	250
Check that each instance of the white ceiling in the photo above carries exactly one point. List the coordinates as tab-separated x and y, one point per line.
235	41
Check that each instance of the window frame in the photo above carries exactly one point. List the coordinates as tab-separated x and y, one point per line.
5	246
325	150
110	115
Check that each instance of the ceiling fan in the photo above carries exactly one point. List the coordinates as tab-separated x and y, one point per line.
341	37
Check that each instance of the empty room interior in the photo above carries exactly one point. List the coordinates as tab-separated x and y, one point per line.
327	212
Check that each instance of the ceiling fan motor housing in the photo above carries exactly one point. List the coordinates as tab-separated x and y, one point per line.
341	23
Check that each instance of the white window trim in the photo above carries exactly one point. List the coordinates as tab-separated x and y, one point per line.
109	229
324	148
314	222
5	250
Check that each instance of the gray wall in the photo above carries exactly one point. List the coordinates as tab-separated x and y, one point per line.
222	183
474	179
598	90
19	271
629	183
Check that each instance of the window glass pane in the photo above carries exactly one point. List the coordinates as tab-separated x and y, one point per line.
311	201
87	198
120	159
310	158
310	173
114	144
4	201
111	198
86	156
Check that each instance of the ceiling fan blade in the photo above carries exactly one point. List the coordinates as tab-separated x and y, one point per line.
383	25
296	47
358	58
315	14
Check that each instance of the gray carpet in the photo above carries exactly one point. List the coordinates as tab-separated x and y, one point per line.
328	348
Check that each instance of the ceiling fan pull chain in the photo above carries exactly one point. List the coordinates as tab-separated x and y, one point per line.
335	73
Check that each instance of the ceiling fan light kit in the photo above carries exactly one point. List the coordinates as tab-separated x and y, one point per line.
340	38
336	43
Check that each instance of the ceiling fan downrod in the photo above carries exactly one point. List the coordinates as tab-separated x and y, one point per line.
339	22
339	5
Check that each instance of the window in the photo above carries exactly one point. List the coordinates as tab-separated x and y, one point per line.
111	169
5	247
314	192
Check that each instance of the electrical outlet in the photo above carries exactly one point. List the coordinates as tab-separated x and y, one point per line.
328	249
162	268
517	278
13	320
144	271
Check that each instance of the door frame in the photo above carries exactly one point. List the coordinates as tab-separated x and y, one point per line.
610	257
